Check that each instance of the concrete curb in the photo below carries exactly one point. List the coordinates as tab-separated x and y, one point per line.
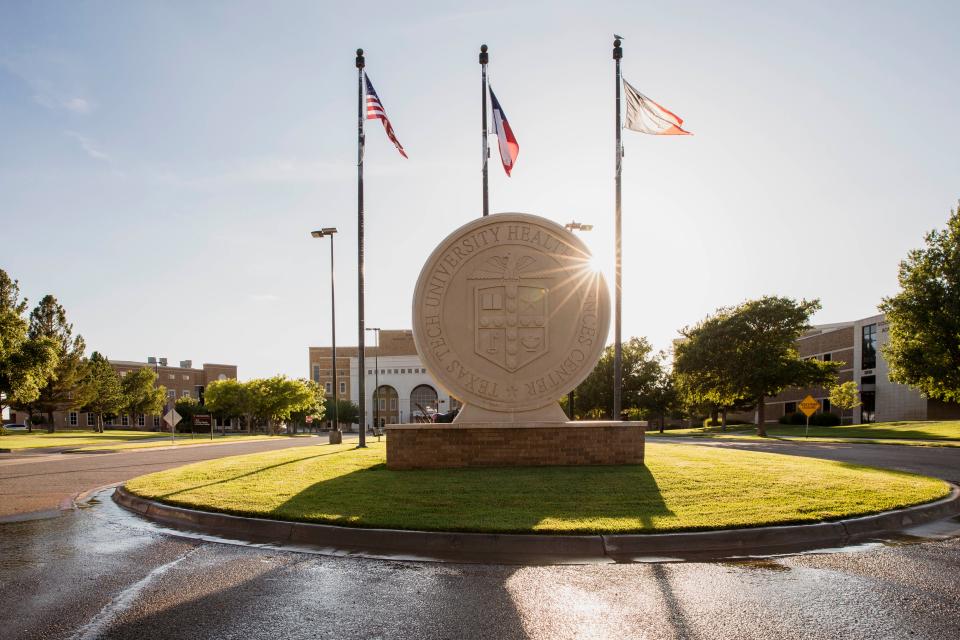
540	549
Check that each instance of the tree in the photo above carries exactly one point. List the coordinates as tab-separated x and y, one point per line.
275	399
641	370
704	367
662	398
101	388
845	396
747	353
48	320
140	393
26	365
228	399
188	407
347	412
315	410
924	347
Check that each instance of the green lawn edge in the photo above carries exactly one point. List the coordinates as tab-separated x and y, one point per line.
415	510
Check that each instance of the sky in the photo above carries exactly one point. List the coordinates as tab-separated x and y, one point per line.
162	164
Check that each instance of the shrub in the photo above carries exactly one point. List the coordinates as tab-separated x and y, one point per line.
818	419
730	422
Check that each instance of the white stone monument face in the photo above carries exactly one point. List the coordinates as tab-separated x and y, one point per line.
509	315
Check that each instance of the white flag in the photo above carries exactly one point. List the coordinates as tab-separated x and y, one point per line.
646	116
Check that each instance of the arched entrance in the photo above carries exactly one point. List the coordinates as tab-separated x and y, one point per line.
386	406
423	403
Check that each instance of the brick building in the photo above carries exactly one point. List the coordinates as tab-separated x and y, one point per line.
407	391
858	345
181	382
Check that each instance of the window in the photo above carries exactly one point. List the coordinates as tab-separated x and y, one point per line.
393	404
825	404
185	393
369	372
383	403
316	373
124	421
140	420
827	357
171	393
186	377
343	387
789	407
403	370
868	355
91	420
383	372
171	376
328	387
73	418
109	422
156	421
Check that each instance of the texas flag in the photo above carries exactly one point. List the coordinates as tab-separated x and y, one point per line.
509	149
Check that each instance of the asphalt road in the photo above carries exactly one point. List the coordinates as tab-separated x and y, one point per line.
940	462
100	572
40	483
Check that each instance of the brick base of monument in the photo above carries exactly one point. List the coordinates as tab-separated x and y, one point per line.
446	446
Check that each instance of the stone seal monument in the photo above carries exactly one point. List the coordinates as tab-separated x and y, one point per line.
509	315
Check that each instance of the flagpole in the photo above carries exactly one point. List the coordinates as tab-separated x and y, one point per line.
617	346
361	378
484	58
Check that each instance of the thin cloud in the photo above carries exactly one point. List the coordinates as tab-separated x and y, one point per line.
78	105
89	146
46	93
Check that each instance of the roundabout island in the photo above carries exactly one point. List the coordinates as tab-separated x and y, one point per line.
685	501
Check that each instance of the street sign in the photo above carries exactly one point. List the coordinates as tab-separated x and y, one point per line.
808	406
172	418
202	420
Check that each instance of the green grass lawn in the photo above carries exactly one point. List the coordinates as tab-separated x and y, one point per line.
680	488
40	438
942	433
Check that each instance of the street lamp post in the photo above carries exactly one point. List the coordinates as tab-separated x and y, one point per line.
156	371
376	381
327	232
571	227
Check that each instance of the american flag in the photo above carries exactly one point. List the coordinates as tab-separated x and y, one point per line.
375	111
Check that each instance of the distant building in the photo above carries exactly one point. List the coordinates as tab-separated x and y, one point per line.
407	390
181	382
858	345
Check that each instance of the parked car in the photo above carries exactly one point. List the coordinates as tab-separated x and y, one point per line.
15	427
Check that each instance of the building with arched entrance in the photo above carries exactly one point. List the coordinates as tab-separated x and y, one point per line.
408	392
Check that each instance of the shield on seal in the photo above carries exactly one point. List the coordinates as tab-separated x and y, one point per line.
511	323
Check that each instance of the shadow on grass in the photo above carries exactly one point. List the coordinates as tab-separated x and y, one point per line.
245	475
494	500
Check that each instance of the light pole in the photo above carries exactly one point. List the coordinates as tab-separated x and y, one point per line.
327	232
156	371
571	227
376	381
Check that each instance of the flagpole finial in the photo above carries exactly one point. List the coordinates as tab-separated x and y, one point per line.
617	51
484	58
361	62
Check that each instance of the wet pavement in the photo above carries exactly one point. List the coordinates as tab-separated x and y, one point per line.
103	573
100	572
39	483
940	462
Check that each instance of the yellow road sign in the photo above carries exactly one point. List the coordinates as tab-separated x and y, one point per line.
809	406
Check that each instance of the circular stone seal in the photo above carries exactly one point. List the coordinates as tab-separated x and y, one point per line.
509	313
